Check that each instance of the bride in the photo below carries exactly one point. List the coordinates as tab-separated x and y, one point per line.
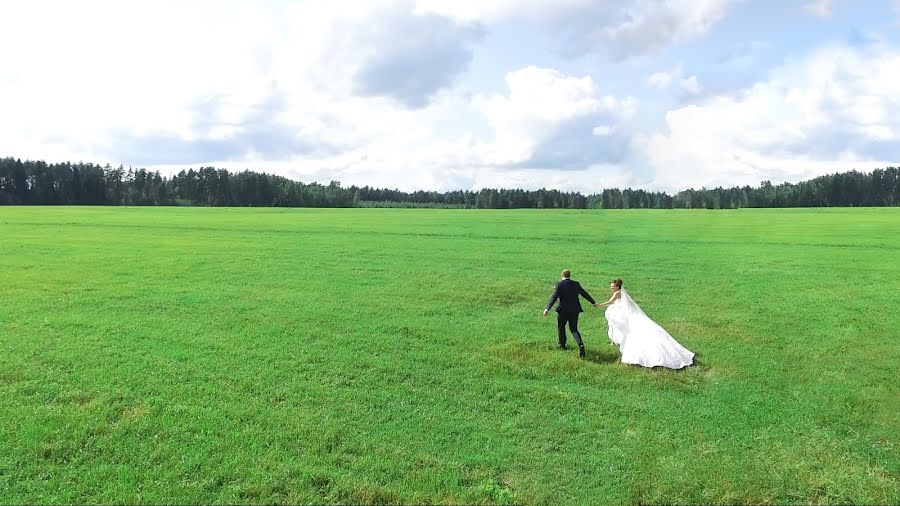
641	340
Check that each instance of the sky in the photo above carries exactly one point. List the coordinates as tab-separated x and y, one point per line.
577	95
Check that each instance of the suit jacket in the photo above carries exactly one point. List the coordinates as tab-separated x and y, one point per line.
567	291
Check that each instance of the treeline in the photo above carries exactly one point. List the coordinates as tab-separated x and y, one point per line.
40	183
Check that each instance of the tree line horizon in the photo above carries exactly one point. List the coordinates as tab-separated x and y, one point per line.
39	183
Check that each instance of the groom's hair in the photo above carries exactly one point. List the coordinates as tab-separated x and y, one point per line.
566	273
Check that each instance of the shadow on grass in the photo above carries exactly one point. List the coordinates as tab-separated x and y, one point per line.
601	365
603	354
696	368
598	355
608	355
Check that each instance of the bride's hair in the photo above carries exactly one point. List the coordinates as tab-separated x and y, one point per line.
617	282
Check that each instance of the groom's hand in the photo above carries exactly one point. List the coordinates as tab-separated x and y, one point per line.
597	305
545	312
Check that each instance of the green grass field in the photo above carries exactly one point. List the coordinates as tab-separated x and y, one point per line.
189	355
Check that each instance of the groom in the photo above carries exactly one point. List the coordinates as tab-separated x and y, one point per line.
567	291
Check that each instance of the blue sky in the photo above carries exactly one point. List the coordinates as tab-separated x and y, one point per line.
570	94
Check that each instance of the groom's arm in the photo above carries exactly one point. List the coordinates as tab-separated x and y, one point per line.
552	298
586	295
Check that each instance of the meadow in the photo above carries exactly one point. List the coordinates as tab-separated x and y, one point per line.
193	355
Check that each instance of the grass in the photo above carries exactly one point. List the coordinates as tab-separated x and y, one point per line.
159	355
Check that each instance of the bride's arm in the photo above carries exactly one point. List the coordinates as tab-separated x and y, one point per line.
612	299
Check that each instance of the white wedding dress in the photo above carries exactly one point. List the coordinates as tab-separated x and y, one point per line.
641	340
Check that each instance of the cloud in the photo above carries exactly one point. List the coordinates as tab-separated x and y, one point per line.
106	69
433	94
647	26
834	110
227	82
497	11
819	8
746	53
548	119
691	85
662	80
258	133
659	80
409	56
617	30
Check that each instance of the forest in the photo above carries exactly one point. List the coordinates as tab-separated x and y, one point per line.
40	183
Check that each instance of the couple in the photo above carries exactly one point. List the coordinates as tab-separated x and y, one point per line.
640	339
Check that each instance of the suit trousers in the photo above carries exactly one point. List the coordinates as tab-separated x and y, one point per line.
571	319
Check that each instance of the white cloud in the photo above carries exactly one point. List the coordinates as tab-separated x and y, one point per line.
405	55
548	119
106	66
820	8
619	29
832	111
353	91
662	80
204	82
649	25
659	80
500	10
691	85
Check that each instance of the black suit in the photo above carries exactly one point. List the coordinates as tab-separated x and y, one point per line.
567	291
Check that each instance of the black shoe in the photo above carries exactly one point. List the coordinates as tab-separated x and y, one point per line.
581	352
563	347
